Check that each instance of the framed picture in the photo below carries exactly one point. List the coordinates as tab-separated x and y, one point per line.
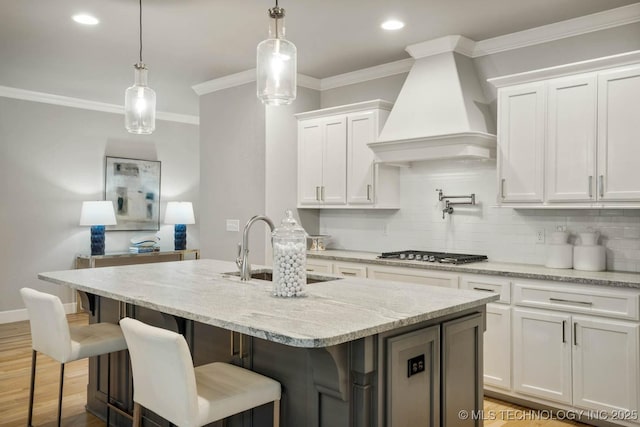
134	188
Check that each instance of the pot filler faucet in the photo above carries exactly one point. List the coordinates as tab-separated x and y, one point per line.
448	205
242	261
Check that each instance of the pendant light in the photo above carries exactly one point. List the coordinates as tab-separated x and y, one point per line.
276	63
140	99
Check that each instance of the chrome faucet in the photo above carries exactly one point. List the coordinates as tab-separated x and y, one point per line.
242	261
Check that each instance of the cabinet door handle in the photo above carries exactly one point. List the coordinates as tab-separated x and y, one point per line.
575	333
564	325
502	188
484	289
570	301
233	344
601	185
369	192
322	193
317	194
590	186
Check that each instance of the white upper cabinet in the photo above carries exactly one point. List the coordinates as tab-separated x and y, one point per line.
572	141
619	134
521	143
336	168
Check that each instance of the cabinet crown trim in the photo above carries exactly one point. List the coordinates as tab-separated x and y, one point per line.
627	58
379	104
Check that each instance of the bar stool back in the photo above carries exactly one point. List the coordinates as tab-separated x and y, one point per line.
165	381
51	335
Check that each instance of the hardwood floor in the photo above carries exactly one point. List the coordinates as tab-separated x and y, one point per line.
15	368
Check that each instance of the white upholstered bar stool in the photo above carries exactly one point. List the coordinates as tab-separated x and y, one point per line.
165	381
52	335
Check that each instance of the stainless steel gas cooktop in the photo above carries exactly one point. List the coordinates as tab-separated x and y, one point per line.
442	257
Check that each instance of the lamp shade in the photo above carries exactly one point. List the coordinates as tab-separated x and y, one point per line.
98	213
179	213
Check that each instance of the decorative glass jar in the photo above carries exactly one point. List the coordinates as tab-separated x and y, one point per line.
289	258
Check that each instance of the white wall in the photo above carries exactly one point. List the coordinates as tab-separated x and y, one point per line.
52	159
502	234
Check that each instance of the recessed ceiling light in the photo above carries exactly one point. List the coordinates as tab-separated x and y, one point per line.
392	24
83	18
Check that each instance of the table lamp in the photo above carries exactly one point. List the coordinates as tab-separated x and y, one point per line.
97	214
180	214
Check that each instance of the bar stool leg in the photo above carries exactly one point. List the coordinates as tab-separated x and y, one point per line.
276	413
108	387
32	386
137	414
60	394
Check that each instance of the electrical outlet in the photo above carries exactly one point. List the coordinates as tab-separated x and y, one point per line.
233	225
540	235
415	365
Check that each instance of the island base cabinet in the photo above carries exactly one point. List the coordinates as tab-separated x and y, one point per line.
462	385
413	379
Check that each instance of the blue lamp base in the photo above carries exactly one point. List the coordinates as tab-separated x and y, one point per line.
180	237
97	240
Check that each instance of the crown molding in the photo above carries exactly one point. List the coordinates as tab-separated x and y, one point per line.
458	44
559	30
591	65
366	74
85	104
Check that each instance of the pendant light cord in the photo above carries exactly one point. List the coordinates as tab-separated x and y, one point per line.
141	30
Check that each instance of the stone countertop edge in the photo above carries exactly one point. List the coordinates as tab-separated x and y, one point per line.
525	271
253	322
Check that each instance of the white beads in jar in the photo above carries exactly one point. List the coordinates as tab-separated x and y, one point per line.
289	268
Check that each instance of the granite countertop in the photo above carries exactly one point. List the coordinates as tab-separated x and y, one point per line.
332	312
528	271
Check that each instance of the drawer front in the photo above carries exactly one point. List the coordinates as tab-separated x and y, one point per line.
349	269
598	301
492	284
319	266
413	275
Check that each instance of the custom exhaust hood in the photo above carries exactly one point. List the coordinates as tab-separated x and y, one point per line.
441	111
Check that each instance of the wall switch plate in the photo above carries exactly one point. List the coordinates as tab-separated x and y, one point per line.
540	235
415	365
233	225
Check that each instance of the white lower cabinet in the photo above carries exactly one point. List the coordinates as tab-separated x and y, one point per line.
542	354
497	346
349	269
605	364
315	265
413	275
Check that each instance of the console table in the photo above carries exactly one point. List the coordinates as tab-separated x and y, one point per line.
128	258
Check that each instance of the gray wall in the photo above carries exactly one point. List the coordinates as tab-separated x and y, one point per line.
386	88
52	159
248	167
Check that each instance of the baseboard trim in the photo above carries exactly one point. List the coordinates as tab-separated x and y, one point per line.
10	316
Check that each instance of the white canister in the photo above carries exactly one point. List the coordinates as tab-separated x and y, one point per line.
589	258
559	256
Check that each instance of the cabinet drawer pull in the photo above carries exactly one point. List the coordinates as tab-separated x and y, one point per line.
502	188
590	186
601	185
575	333
570	301
348	273
310	269
483	289
369	192
564	324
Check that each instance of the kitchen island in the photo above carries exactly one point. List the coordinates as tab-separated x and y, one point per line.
352	352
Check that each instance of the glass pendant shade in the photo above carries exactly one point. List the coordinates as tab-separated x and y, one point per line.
276	64
140	104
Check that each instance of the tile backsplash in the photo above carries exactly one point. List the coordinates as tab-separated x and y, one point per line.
503	234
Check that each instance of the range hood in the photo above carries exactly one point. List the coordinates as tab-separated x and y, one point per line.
441	111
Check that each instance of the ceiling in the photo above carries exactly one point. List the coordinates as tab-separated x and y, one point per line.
191	41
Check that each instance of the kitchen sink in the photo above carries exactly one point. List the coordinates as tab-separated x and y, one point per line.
268	276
